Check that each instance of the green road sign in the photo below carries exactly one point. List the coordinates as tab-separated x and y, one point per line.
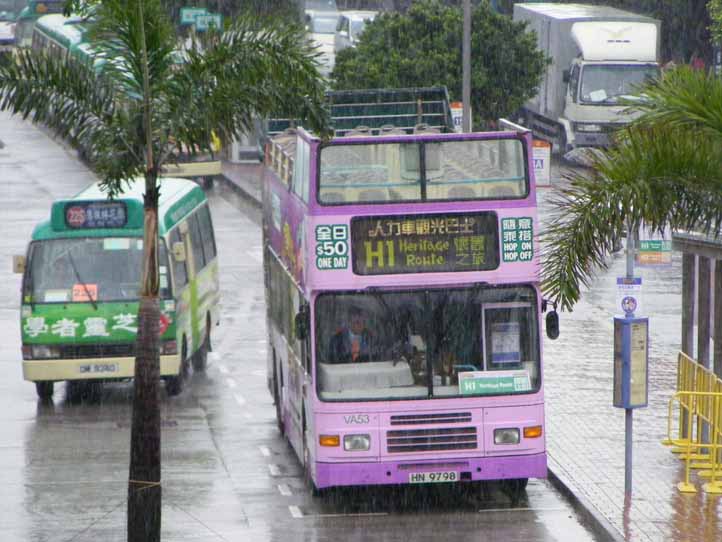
189	15
208	20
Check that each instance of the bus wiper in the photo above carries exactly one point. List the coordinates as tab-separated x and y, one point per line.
81	281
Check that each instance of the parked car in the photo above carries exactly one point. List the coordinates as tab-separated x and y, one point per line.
349	27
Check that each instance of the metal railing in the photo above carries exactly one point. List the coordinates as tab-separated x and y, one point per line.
698	439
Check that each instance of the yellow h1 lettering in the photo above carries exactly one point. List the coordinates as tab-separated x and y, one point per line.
377	254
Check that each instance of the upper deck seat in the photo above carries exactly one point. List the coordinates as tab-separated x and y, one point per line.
502	191
372	195
461	192
333	197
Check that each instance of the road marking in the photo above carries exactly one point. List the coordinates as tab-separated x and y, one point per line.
284	490
490	510
295	512
231	383
259	373
265	452
241	401
274	470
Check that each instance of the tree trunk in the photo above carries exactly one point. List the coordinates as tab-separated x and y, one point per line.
144	489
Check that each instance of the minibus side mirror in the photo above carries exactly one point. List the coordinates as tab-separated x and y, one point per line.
179	251
18	264
565	76
552	324
301	324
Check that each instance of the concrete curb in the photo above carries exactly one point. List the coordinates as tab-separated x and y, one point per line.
239	191
596	522
588	513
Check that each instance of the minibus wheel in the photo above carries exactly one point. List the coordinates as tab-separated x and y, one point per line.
44	390
174	384
200	358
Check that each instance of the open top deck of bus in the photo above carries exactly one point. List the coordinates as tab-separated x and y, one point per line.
363	168
427	208
124	215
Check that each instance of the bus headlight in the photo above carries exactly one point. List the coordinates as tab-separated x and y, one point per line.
509	435
43	351
356	443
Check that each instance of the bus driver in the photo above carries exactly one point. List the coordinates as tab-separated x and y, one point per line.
353	343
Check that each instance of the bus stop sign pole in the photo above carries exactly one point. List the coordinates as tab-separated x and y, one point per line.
631	354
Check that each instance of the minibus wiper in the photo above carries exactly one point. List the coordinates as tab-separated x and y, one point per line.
85	286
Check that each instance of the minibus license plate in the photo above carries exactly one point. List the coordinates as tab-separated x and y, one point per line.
99	368
433	477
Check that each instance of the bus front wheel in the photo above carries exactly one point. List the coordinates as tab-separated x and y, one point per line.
515	488
44	390
308	477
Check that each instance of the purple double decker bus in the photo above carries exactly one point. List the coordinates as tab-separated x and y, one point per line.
402	286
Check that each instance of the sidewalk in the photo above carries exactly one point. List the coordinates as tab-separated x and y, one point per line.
585	433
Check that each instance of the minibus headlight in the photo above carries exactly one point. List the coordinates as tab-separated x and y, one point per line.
509	435
43	351
356	443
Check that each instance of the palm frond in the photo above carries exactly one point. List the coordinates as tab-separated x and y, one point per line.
279	76
661	177
684	98
68	97
127	33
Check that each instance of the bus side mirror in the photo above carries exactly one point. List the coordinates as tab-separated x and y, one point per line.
552	324
179	251
18	264
301	324
565	76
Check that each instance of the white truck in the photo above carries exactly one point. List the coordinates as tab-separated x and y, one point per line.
598	55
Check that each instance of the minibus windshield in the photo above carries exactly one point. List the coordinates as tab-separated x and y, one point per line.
89	269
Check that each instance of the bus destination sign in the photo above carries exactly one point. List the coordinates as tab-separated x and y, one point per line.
96	214
431	243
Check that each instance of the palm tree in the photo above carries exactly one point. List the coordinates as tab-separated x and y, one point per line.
131	119
664	171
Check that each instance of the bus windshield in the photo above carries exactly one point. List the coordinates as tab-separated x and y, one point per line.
85	269
422	171
427	343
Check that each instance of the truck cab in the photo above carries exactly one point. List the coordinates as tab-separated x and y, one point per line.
599	58
615	60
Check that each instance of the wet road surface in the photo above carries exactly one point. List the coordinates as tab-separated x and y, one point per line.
227	473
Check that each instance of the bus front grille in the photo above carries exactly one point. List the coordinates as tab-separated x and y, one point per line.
83	351
437	418
429	440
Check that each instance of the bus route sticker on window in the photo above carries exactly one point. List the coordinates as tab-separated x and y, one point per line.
332	246
493	382
517	239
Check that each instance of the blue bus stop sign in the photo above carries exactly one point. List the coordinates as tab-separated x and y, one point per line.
631	362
